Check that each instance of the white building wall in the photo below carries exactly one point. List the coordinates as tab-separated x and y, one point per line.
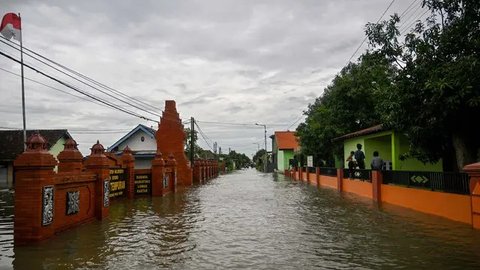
135	142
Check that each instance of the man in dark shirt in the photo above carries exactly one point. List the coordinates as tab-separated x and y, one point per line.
360	157
377	162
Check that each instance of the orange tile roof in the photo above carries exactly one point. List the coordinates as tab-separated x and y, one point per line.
286	140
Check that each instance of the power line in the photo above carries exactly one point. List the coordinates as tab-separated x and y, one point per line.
408	9
83	82
301	116
365	39
54	88
203	135
414	22
112	105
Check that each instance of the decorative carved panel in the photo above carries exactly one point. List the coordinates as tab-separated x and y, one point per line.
106	193
73	202
47	205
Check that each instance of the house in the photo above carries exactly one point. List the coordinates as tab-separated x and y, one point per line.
11	145
391	146
284	145
141	140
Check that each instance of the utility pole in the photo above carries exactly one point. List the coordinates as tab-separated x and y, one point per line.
192	141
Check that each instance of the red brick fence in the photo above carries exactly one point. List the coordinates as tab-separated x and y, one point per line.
48	202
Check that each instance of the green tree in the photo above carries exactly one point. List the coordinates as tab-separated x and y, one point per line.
348	104
434	97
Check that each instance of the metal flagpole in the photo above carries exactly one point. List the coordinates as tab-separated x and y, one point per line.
23	89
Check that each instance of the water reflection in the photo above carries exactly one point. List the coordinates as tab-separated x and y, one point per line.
250	220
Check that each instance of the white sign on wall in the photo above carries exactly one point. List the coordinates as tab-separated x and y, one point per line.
310	161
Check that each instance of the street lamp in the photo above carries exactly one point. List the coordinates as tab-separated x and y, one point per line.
265	160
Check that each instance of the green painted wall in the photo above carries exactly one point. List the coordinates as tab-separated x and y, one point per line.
381	144
57	148
283	157
413	164
390	146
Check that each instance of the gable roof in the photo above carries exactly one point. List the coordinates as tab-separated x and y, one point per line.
362	132
11	141
149	131
286	140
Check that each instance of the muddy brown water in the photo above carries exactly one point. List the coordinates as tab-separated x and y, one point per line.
250	220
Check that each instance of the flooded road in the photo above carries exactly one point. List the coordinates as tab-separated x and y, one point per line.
250	220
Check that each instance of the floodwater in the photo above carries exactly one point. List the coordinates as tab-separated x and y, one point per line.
250	220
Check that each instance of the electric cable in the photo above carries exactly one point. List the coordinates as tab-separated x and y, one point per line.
112	105
83	82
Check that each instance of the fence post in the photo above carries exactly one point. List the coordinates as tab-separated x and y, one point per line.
308	174
317	175
340	179
196	171
70	159
300	174
473	171
128	162
158	172
34	192
377	181
98	164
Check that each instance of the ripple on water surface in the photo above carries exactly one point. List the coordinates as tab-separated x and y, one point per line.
251	220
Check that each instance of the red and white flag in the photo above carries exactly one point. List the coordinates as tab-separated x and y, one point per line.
11	26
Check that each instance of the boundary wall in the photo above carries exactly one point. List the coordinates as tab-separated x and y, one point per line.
457	207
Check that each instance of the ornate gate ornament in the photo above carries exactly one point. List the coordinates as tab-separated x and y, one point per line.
106	193
47	205
165	180
73	202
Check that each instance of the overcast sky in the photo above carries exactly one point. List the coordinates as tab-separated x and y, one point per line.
222	61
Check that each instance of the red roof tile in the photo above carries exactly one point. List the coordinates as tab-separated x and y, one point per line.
286	140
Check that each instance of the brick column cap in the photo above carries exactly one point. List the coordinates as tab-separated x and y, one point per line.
36	154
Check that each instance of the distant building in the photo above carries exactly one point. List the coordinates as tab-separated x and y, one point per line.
390	145
11	145
284	145
141	140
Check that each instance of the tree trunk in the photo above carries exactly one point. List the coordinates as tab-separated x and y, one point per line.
464	153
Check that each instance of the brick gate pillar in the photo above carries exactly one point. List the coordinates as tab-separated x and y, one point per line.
196	172
473	171
70	159
34	192
128	163
98	164
158	173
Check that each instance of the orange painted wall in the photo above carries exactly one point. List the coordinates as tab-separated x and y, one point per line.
328	181
358	187
312	179
451	206
304	176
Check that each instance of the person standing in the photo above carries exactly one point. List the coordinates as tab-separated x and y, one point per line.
377	162
360	157
351	164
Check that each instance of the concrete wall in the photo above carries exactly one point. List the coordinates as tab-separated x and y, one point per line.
447	205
